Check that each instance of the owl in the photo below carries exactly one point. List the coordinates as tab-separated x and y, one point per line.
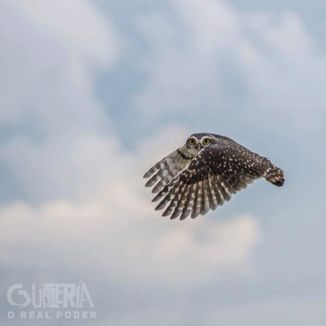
204	173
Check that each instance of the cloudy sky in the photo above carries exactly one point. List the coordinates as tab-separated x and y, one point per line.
94	92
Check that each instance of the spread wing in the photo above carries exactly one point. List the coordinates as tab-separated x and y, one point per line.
163	172
213	175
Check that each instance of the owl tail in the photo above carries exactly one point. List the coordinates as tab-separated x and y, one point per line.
275	176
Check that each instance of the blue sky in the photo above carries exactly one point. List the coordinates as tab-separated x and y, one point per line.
93	93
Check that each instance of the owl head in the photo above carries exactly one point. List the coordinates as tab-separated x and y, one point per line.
196	142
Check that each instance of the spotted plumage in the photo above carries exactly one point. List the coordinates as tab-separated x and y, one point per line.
204	173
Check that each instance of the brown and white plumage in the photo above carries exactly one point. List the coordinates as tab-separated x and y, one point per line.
204	173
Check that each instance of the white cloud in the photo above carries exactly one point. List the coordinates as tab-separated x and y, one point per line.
59	135
49	61
119	234
77	25
207	55
65	166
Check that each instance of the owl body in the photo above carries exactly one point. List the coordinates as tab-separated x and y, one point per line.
204	173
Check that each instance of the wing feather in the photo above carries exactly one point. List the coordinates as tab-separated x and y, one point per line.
205	199
188	204
181	201
198	200
213	198
163	172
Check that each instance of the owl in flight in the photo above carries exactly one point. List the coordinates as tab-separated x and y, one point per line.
204	173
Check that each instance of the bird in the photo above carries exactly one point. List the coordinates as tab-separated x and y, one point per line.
204	173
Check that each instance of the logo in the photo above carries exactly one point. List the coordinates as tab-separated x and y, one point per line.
50	301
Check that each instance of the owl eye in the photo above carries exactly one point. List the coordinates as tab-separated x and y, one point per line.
206	141
191	141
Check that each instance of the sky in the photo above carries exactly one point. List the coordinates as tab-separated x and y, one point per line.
93	93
